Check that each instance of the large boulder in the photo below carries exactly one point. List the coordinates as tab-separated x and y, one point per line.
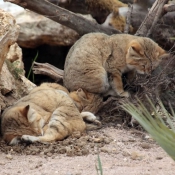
13	84
36	30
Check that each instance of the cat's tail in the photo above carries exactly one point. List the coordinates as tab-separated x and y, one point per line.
91	121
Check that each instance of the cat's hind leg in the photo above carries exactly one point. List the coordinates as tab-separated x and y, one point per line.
51	134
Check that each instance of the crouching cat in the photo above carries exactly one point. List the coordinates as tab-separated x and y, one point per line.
97	61
46	114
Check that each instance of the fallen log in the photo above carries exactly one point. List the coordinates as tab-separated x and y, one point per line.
151	19
63	16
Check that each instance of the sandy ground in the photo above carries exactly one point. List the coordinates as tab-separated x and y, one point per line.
129	152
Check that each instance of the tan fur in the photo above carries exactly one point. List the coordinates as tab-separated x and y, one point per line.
86	101
111	8
96	57
110	5
45	115
116	21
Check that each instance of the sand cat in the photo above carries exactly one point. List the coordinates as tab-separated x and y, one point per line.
97	61
46	114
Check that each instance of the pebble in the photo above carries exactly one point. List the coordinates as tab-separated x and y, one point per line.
76	134
125	153
85	151
81	144
49	154
98	140
42	153
107	140
136	156
2	163
145	145
159	157
9	156
105	150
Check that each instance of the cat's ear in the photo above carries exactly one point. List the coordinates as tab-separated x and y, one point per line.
135	48
160	52
30	113
81	93
24	111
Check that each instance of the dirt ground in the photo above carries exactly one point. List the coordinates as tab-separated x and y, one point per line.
122	152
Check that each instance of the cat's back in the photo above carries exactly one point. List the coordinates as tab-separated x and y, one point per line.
84	50
47	98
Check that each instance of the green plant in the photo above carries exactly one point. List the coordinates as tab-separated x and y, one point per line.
30	70
164	135
14	69
99	166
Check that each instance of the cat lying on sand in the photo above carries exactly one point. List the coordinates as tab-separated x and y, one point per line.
46	114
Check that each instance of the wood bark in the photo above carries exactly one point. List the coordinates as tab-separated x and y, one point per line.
128	18
151	19
49	70
63	16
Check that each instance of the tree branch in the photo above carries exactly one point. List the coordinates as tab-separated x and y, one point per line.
63	16
128	18
49	70
151	19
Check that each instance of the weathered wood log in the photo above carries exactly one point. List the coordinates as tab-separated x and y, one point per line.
49	70
151	19
63	16
98	9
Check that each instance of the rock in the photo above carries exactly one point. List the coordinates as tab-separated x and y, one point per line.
6	86
9	156
98	140
11	65
136	156
85	151
159	157
126	153
15	56
36	30
105	150
8	34
107	140
76	134
2	163
145	145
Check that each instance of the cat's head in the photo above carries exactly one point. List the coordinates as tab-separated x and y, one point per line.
80	98
35	120
144	55
21	120
86	101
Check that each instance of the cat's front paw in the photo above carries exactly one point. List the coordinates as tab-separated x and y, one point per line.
125	94
28	138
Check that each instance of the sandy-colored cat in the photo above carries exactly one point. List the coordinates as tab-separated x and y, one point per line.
97	61
46	114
